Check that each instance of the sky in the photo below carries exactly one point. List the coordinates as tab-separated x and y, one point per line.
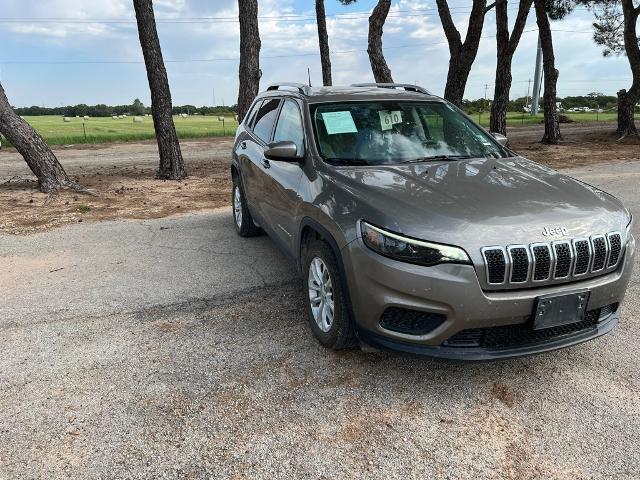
60	52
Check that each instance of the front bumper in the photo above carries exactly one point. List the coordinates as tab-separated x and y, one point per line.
377	283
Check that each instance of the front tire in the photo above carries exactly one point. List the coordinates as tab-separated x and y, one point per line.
327	302
241	216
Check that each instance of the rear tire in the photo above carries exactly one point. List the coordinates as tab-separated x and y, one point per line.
241	216
326	301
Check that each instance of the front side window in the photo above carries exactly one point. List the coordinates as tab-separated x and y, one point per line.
391	132
265	118
289	126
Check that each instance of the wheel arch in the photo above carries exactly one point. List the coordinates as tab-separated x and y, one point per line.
310	229
235	171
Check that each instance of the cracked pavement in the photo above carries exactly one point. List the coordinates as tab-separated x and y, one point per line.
172	348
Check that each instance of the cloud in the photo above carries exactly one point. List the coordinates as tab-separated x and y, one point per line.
415	48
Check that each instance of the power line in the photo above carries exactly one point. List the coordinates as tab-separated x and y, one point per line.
228	59
194	20
284	17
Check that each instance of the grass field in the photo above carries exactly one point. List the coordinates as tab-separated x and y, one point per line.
101	130
516	118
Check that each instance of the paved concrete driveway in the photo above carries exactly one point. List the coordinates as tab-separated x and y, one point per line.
140	349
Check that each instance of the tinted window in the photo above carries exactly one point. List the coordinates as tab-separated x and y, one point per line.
265	119
252	113
290	126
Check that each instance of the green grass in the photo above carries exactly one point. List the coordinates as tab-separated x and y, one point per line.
101	130
516	118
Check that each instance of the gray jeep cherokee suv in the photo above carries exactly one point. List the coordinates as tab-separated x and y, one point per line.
416	230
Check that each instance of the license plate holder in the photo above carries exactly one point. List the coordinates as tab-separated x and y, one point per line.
560	309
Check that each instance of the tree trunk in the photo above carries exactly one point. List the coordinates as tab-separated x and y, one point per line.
462	55
171	162
323	40
626	113
552	134
498	121
381	71
506	47
249	73
627	99
35	151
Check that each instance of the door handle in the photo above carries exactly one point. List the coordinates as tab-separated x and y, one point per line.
265	163
243	145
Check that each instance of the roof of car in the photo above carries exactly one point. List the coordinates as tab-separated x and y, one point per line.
352	92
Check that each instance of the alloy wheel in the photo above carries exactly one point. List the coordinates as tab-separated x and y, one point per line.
321	294
237	205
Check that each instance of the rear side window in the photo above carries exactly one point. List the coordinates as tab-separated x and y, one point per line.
265	119
289	126
252	113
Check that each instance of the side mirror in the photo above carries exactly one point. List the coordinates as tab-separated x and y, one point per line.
283	151
501	139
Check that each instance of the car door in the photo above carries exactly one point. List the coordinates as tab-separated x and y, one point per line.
251	153
281	193
243	153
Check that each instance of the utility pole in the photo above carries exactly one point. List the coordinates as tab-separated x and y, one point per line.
214	97
535	101
486	85
526	101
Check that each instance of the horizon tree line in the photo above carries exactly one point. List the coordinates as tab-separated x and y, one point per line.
615	29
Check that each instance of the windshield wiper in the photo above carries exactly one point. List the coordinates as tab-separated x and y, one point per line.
347	161
436	158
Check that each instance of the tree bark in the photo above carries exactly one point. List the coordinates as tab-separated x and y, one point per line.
462	55
171	162
249	72
506	47
552	134
627	99
323	40
35	151
381	71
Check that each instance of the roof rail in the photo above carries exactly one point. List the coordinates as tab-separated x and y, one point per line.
407	86
303	89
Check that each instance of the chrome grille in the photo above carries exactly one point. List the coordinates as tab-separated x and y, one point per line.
564	258
542	261
582	249
599	252
560	260
520	263
615	247
496	263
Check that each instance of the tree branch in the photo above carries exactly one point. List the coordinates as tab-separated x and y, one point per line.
450	30
520	23
494	4
476	21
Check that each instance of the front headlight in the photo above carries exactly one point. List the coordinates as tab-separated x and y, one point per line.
410	250
628	230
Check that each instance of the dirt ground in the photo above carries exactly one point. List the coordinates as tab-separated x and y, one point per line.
123	177
583	145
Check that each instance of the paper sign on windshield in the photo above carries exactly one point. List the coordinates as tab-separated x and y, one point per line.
339	122
389	119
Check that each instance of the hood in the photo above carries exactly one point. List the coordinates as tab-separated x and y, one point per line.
481	202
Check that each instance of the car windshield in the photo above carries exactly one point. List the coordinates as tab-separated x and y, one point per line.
392	132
